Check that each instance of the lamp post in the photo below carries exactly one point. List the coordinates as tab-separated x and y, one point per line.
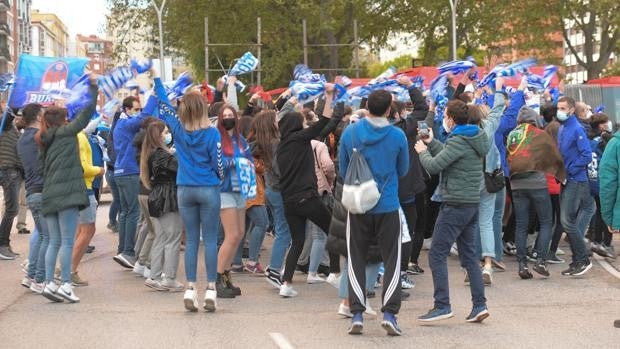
453	5
159	10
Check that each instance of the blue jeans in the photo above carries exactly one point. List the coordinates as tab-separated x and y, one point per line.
584	217
38	245
259	221
485	243
455	223
10	180
115	206
200	210
128	190
318	239
498	216
372	270
61	226
282	232
540	198
575	196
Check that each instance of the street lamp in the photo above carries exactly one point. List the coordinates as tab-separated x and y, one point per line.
159	10
453	5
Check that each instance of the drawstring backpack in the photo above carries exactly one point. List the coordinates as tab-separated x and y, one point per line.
360	192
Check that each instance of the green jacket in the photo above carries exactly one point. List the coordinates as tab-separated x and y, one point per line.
609	182
460	163
63	185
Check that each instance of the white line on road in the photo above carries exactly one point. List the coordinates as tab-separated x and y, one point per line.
605	264
281	340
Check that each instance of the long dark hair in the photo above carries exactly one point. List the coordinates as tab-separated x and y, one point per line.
265	134
227	147
152	141
53	117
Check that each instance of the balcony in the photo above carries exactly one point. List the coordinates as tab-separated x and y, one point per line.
5	54
5	5
4	28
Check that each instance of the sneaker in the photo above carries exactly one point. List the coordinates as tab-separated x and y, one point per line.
581	268
487	276
436	314
541	268
210	304
228	280
235	269
37	287
139	268
498	265
255	269
524	271
390	325
125	260
334	280
222	290
50	292
25	264
405	282
611	253
23	231
454	250
154	284
26	282
602	250
147	273
323	269
532	256
66	292
414	269
287	291
554	259
190	299
302	268
510	248
77	281
357	324
426	245
568	271
172	285
344	310
6	254
560	252
314	279
274	278
478	314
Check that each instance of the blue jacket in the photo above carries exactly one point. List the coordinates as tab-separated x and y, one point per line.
199	152
28	152
508	123
385	149
575	149
125	130
229	165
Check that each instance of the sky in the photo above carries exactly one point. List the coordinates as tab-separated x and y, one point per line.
80	16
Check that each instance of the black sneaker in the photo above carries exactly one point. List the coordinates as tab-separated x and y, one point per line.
90	249
23	231
414	269
532	256
323	269
541	268
524	271
302	268
228	280
570	269
222	290
274	278
581	268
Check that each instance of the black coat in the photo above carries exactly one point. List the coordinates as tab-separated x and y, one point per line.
163	174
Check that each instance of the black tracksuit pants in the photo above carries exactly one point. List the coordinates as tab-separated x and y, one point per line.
362	231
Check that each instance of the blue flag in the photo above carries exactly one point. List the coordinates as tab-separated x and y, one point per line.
38	79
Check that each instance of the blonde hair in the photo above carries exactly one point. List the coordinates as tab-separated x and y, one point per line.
193	112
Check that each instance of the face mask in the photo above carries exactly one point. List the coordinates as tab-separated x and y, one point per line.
168	138
610	126
444	122
229	124
588	114
562	116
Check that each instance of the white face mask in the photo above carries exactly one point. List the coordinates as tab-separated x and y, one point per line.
588	114
562	116
610	126
444	123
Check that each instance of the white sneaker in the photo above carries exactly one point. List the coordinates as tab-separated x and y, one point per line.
26	282
172	285
369	310
154	284
454	250
66	291
344	311
560	252
334	280
210	304
487	276
50	292
139	268
190	299
147	273
315	279
426	245
287	291
37	288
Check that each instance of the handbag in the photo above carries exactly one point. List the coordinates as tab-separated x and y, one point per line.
494	181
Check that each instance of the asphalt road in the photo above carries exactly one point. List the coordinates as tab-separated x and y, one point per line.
118	311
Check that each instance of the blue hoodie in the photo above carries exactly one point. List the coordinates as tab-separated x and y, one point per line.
575	149
199	152
507	123
385	149
125	130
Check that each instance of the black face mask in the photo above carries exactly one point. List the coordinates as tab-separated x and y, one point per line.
229	124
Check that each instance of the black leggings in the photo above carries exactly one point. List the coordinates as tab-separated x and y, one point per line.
601	234
557	226
296	214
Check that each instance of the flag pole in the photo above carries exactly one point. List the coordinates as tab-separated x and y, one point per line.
8	100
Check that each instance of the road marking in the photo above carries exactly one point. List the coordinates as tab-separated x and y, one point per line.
281	340
605	264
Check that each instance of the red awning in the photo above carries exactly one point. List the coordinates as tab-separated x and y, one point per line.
612	81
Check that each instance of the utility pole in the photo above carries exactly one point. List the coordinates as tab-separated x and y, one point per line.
159	10
453	5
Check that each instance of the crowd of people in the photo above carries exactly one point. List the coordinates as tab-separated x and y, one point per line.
484	181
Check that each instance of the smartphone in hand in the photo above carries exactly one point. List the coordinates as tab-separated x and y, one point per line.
423	132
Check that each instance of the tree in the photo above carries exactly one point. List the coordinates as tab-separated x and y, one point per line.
598	22
400	62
